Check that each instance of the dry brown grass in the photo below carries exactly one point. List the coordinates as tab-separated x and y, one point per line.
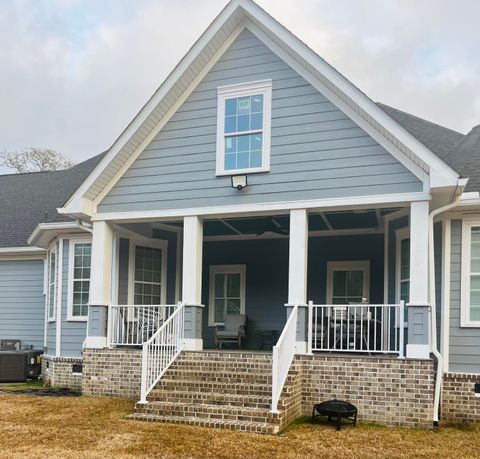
48	427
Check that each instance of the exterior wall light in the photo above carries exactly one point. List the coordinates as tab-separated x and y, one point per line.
239	182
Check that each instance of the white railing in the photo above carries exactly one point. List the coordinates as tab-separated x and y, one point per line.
283	353
368	328
161	350
132	325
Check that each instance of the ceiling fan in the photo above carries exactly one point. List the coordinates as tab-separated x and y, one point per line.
272	226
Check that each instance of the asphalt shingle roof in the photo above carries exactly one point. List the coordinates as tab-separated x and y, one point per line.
32	198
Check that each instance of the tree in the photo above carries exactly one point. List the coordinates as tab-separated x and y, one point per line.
35	160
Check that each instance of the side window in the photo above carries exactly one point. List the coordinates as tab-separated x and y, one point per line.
470	298
51	290
227	292
243	137
80	279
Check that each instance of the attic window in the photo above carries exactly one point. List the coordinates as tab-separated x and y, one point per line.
243	128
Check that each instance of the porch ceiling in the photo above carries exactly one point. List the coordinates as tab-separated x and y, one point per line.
328	221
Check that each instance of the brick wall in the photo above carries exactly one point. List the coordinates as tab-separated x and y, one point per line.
112	372
459	403
387	391
58	372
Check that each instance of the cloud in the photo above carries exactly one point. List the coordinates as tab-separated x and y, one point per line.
73	73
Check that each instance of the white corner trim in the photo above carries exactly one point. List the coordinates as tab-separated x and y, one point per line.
350	202
263	87
418	351
445	301
465	321
58	300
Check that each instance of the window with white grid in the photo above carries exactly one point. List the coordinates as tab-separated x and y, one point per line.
82	254
148	275
52	276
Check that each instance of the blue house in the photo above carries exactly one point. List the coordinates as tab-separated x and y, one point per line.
261	237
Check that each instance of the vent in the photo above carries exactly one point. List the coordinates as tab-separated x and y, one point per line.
77	368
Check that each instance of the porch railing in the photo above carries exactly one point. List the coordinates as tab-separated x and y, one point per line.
283	353
132	325
368	328
161	350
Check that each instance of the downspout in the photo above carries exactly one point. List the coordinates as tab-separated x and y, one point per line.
432	295
85	226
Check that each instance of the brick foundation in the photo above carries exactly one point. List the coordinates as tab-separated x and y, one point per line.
112	372
388	391
459	403
59	372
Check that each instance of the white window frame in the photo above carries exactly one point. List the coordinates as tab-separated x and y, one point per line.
351	265
225	269
71	259
52	317
263	87
467	226
153	244
400	234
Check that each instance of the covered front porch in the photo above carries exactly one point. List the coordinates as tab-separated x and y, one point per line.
260	267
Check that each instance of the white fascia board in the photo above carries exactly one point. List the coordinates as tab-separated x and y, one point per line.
442	173
349	202
22	253
43	233
73	204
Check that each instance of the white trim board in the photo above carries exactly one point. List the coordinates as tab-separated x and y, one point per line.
344	203
237	15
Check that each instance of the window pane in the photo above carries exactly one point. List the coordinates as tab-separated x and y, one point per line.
230	124
475	234
256	121
339	283
243	160
257	103
405	291
243	107
233	306
405	259
230	162
230	107
239	149
243	123
355	283
219	285
256	159
233	285
220	306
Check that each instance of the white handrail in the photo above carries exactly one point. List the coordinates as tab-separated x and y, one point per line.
283	353
159	352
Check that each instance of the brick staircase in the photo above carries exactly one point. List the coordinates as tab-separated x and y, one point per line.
230	390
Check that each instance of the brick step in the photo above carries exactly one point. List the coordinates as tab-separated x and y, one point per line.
205	410
214	386
245	426
212	398
251	357
215	365
227	377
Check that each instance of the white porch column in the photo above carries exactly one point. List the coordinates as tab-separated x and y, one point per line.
418	306
297	273
192	281
100	285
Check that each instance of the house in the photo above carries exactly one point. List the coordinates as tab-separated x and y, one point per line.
256	182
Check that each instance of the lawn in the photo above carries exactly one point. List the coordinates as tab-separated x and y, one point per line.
84	427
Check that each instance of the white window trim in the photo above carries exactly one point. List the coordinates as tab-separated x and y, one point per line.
225	269
71	258
363	265
400	235
51	318
263	87
154	244
465	321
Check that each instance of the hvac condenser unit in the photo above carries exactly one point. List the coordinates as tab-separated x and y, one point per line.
13	366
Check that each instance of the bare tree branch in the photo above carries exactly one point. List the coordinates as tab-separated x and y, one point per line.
35	160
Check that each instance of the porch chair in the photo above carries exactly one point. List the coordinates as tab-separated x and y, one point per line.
232	331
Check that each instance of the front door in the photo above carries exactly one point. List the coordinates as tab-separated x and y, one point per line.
348	282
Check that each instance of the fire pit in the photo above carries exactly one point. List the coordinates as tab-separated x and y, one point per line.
336	409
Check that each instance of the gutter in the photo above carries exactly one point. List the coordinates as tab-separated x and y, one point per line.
432	295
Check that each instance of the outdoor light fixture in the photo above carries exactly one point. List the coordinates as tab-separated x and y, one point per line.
239	182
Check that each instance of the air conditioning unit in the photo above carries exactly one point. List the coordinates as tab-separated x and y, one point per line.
10	344
13	366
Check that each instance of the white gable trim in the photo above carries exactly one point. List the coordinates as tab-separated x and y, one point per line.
399	142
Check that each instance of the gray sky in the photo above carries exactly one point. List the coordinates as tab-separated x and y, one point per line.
73	73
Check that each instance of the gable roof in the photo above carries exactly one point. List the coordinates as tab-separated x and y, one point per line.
235	17
32	198
460	151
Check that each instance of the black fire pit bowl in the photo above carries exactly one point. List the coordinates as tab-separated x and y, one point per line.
336	409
